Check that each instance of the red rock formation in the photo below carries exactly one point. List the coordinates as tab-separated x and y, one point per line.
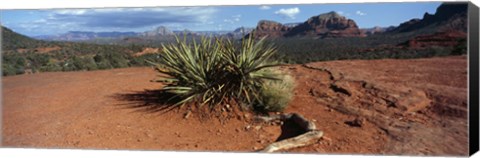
270	29
327	25
448	16
444	39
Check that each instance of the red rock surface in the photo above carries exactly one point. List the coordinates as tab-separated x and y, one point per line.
414	107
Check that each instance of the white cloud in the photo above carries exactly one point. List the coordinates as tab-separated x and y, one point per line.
343	13
264	7
228	21
290	12
108	18
235	18
71	11
360	13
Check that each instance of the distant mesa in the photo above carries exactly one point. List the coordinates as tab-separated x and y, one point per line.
328	25
185	32
240	32
446	28
270	29
85	35
376	30
448	16
159	31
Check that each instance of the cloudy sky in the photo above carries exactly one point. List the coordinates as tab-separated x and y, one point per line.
214	18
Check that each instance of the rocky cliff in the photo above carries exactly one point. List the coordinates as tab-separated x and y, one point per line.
271	29
448	16
327	25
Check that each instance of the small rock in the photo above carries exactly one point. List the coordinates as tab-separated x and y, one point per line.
237	130
258	127
196	145
247	127
246	116
359	122
138	140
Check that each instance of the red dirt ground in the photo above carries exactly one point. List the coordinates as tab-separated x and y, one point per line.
413	107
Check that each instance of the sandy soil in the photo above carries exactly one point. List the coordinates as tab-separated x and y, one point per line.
414	107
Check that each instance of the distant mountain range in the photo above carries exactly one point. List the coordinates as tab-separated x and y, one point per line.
157	32
376	30
327	25
448	16
85	35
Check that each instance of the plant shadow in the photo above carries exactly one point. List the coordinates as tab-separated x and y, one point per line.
151	101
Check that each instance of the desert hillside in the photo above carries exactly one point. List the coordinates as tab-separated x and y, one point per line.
408	106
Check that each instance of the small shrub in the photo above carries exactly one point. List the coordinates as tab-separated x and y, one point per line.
276	94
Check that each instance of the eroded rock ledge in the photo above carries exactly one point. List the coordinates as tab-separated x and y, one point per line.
312	135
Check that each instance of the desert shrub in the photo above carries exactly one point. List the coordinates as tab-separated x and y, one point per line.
52	65
214	71
276	94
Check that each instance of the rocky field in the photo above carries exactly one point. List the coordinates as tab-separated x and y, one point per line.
409	107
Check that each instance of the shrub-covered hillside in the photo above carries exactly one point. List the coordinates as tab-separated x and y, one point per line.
22	54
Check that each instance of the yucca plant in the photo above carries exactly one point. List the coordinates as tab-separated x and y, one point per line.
214	71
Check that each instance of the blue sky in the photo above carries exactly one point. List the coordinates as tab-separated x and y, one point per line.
210	18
